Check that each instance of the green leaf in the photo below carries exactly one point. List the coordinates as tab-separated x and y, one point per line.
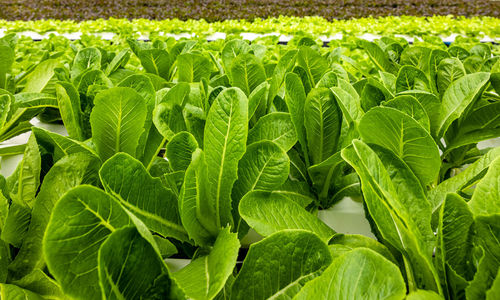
68	172
180	150
350	242
348	101
6	101
38	80
193	67
395	202
193	200
80	222
130	268
58	145
276	127
285	65
494	292
29	174
231	50
405	137
455	228
378	57
86	59
205	276
7	57
358	274
313	63
448	71
410	106
280	265
485	198
146	197
247	72
119	61
411	78
68	100
323	120
461	94
10	291
324	173
41	284
295	98
117	121
464	179
225	143
423	295
268	213
156	61
488	237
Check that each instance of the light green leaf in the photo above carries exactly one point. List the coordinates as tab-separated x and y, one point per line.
351	242
378	57
247	72
323	120
225	143
405	137
278	266
358	274
394	200
348	101
13	292
458	97
38	80
448	71
80	222
485	198
463	180
7	56
268	213
313	64
193	200
488	237
192	67
276	127
130	268
295	98
180	150
68	100
117	121
205	277
68	172
231	50
411	78
156	61
86	59
146	197
410	106
423	295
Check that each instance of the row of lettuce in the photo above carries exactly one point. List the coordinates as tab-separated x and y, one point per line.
179	148
405	25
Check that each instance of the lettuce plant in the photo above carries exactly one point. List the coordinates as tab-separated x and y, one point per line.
176	149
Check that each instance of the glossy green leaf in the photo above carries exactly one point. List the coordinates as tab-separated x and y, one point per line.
313	64
411	78
86	59
359	274
130	268
276	127
449	70
117	121
198	218
378	57
68	100
458	97
80	222
268	213
247	72
38	80
192	67
68	172
410	106
180	150
127	179
205	276
280	265
224	145
322	119
295	98
405	137
485	198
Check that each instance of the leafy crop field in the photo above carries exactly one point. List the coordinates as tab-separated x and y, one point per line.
212	10
180	148
315	26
